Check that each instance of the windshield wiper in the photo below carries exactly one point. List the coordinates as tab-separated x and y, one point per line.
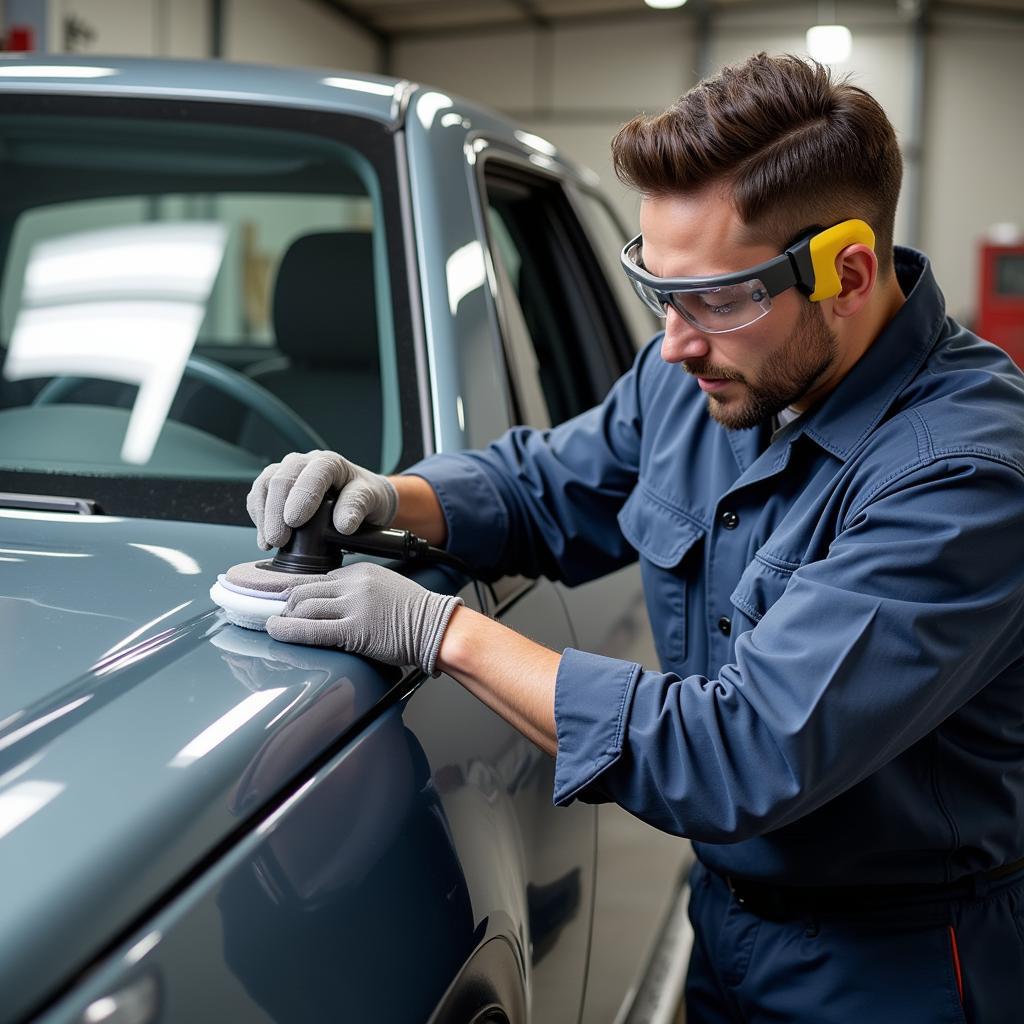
50	503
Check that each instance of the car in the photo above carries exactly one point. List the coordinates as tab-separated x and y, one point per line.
206	266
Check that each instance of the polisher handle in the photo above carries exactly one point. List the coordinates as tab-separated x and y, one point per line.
385	542
318	547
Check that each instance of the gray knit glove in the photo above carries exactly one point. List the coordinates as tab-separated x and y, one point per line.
369	610
287	493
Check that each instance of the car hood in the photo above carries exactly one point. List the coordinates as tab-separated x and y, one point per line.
139	730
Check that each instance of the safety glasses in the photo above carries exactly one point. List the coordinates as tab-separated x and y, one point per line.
727	302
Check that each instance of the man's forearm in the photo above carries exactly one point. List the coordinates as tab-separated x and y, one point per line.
512	675
419	510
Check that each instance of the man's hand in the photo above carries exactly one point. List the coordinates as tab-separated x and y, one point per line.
287	493
373	611
369	610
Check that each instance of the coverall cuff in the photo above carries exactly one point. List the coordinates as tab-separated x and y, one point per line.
474	513
593	695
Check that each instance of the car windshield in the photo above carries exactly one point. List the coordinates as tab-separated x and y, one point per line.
183	302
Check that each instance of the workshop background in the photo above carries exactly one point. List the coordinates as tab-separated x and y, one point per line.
949	74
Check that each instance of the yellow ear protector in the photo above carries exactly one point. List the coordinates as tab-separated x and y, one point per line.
826	246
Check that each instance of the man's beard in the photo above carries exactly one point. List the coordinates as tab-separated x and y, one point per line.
787	374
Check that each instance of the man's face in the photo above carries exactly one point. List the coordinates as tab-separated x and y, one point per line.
752	373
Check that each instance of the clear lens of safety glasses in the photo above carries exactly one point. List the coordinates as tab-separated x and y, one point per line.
712	310
717	310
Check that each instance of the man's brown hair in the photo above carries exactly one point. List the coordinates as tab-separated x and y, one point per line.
795	148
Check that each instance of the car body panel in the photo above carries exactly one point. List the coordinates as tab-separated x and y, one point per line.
140	729
461	339
444	844
317	915
445	136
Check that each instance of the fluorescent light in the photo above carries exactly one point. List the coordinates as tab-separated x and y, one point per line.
465	271
45	554
429	105
830	44
224	727
20	802
37	723
142	947
377	88
122	304
54	71
536	142
138	260
144	343
664	5
136	633
56	517
185	564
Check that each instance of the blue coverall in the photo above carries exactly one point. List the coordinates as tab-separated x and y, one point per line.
838	615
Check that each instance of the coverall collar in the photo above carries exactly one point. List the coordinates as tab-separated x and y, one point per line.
853	409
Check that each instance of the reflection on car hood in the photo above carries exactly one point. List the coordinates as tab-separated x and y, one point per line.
138	728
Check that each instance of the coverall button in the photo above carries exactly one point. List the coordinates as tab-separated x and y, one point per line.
725	625
729	520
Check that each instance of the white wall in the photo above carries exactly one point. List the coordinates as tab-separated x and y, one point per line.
974	147
576	85
296	32
138	28
290	32
573	85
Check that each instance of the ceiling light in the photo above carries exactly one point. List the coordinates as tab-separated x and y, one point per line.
829	43
664	5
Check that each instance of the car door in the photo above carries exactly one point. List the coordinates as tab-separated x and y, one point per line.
566	341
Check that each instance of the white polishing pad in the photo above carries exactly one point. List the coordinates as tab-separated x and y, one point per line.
245	609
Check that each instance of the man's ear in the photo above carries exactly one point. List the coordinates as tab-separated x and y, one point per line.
857	267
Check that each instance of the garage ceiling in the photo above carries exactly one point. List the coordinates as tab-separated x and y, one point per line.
411	17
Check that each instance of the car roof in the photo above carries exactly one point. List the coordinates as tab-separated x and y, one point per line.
374	96
379	97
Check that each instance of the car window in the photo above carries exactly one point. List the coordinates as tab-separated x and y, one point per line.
190	302
563	336
526	371
609	237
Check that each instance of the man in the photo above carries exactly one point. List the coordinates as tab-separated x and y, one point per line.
823	477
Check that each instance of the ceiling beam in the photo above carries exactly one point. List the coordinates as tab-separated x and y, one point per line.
534	17
550	21
356	18
532	14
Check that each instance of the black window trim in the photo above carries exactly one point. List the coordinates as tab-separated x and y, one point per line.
498	159
617	345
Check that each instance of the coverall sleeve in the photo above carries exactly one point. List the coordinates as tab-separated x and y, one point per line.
544	502
917	606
